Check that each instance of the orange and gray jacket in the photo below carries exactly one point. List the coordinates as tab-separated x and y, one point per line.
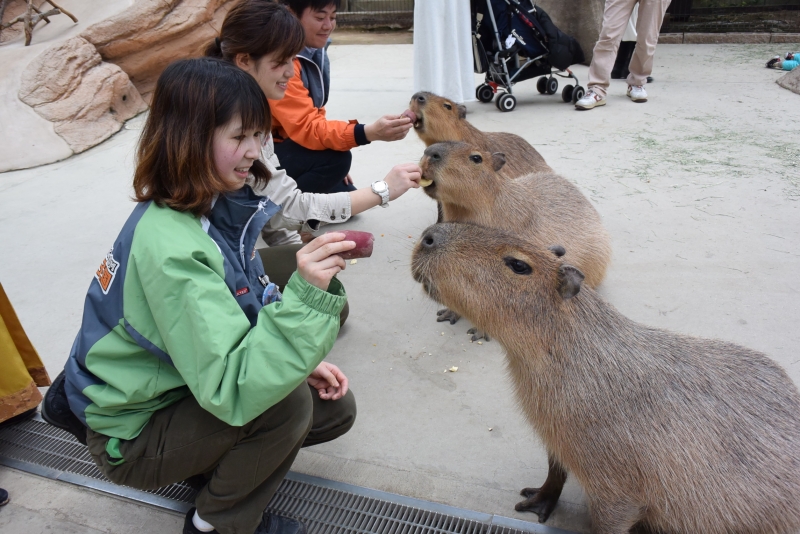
300	114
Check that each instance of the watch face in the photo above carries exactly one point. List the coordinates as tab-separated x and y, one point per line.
380	186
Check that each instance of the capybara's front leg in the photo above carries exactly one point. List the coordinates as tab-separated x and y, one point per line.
446	314
542	501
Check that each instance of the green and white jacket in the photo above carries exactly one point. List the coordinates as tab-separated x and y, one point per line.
175	309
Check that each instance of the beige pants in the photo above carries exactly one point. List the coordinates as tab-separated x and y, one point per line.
615	19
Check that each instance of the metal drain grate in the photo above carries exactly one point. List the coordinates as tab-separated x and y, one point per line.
325	506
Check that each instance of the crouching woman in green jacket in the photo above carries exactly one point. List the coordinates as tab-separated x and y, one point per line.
189	360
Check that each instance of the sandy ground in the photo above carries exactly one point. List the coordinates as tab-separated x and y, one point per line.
699	188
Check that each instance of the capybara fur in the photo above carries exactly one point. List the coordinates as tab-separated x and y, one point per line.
440	119
544	206
665	432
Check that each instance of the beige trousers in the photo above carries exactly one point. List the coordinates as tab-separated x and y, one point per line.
615	19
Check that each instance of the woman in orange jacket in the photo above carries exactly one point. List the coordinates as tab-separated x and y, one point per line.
313	150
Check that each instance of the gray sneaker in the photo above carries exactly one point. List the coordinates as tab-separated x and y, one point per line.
590	100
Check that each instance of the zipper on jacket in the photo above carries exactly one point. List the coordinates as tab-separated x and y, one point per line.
321	79
244	233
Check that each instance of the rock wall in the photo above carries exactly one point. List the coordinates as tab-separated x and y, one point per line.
582	19
88	86
149	35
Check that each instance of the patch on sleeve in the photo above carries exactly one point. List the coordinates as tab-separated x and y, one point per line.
107	272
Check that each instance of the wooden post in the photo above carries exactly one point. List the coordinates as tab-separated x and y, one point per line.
29	19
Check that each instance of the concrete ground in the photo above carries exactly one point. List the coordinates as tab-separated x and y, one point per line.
699	188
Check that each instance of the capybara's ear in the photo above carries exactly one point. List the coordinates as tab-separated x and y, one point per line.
462	111
558	250
498	160
569	281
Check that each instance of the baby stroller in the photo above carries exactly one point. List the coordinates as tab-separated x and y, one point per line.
513	40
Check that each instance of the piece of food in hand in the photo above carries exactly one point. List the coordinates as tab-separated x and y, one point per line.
424	182
363	241
410	114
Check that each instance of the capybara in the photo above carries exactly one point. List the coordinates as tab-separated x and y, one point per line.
543	207
666	432
438	119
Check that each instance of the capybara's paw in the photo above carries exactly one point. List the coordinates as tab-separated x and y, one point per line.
539	503
447	314
479	334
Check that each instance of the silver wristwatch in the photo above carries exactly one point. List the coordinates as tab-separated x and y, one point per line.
381	189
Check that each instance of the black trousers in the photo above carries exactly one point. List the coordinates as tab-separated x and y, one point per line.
315	171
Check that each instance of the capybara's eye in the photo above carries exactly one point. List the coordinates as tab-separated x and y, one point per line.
476	158
518	266
448	107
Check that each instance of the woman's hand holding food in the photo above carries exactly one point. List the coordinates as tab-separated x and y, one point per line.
401	178
318	261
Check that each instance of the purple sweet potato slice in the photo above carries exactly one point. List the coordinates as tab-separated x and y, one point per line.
363	242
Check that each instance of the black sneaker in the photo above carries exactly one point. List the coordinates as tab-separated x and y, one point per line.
280	524
188	525
55	410
772	61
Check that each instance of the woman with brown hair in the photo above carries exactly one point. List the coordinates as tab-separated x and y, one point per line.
188	361
262	38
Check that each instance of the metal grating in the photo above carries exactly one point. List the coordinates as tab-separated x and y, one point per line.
325	506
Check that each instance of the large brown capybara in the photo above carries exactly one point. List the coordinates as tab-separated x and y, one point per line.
543	207
666	432
438	119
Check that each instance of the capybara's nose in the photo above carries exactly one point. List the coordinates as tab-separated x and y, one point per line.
432	237
419	97
433	153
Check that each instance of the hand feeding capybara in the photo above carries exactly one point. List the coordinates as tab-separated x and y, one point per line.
666	432
544	207
437	119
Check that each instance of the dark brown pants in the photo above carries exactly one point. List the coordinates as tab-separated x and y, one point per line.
279	264
246	464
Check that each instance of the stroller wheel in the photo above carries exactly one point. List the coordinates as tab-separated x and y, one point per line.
578	93
541	85
566	93
484	93
552	86
506	102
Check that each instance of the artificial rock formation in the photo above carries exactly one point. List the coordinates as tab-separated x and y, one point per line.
150	34
88	86
582	19
791	81
86	99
